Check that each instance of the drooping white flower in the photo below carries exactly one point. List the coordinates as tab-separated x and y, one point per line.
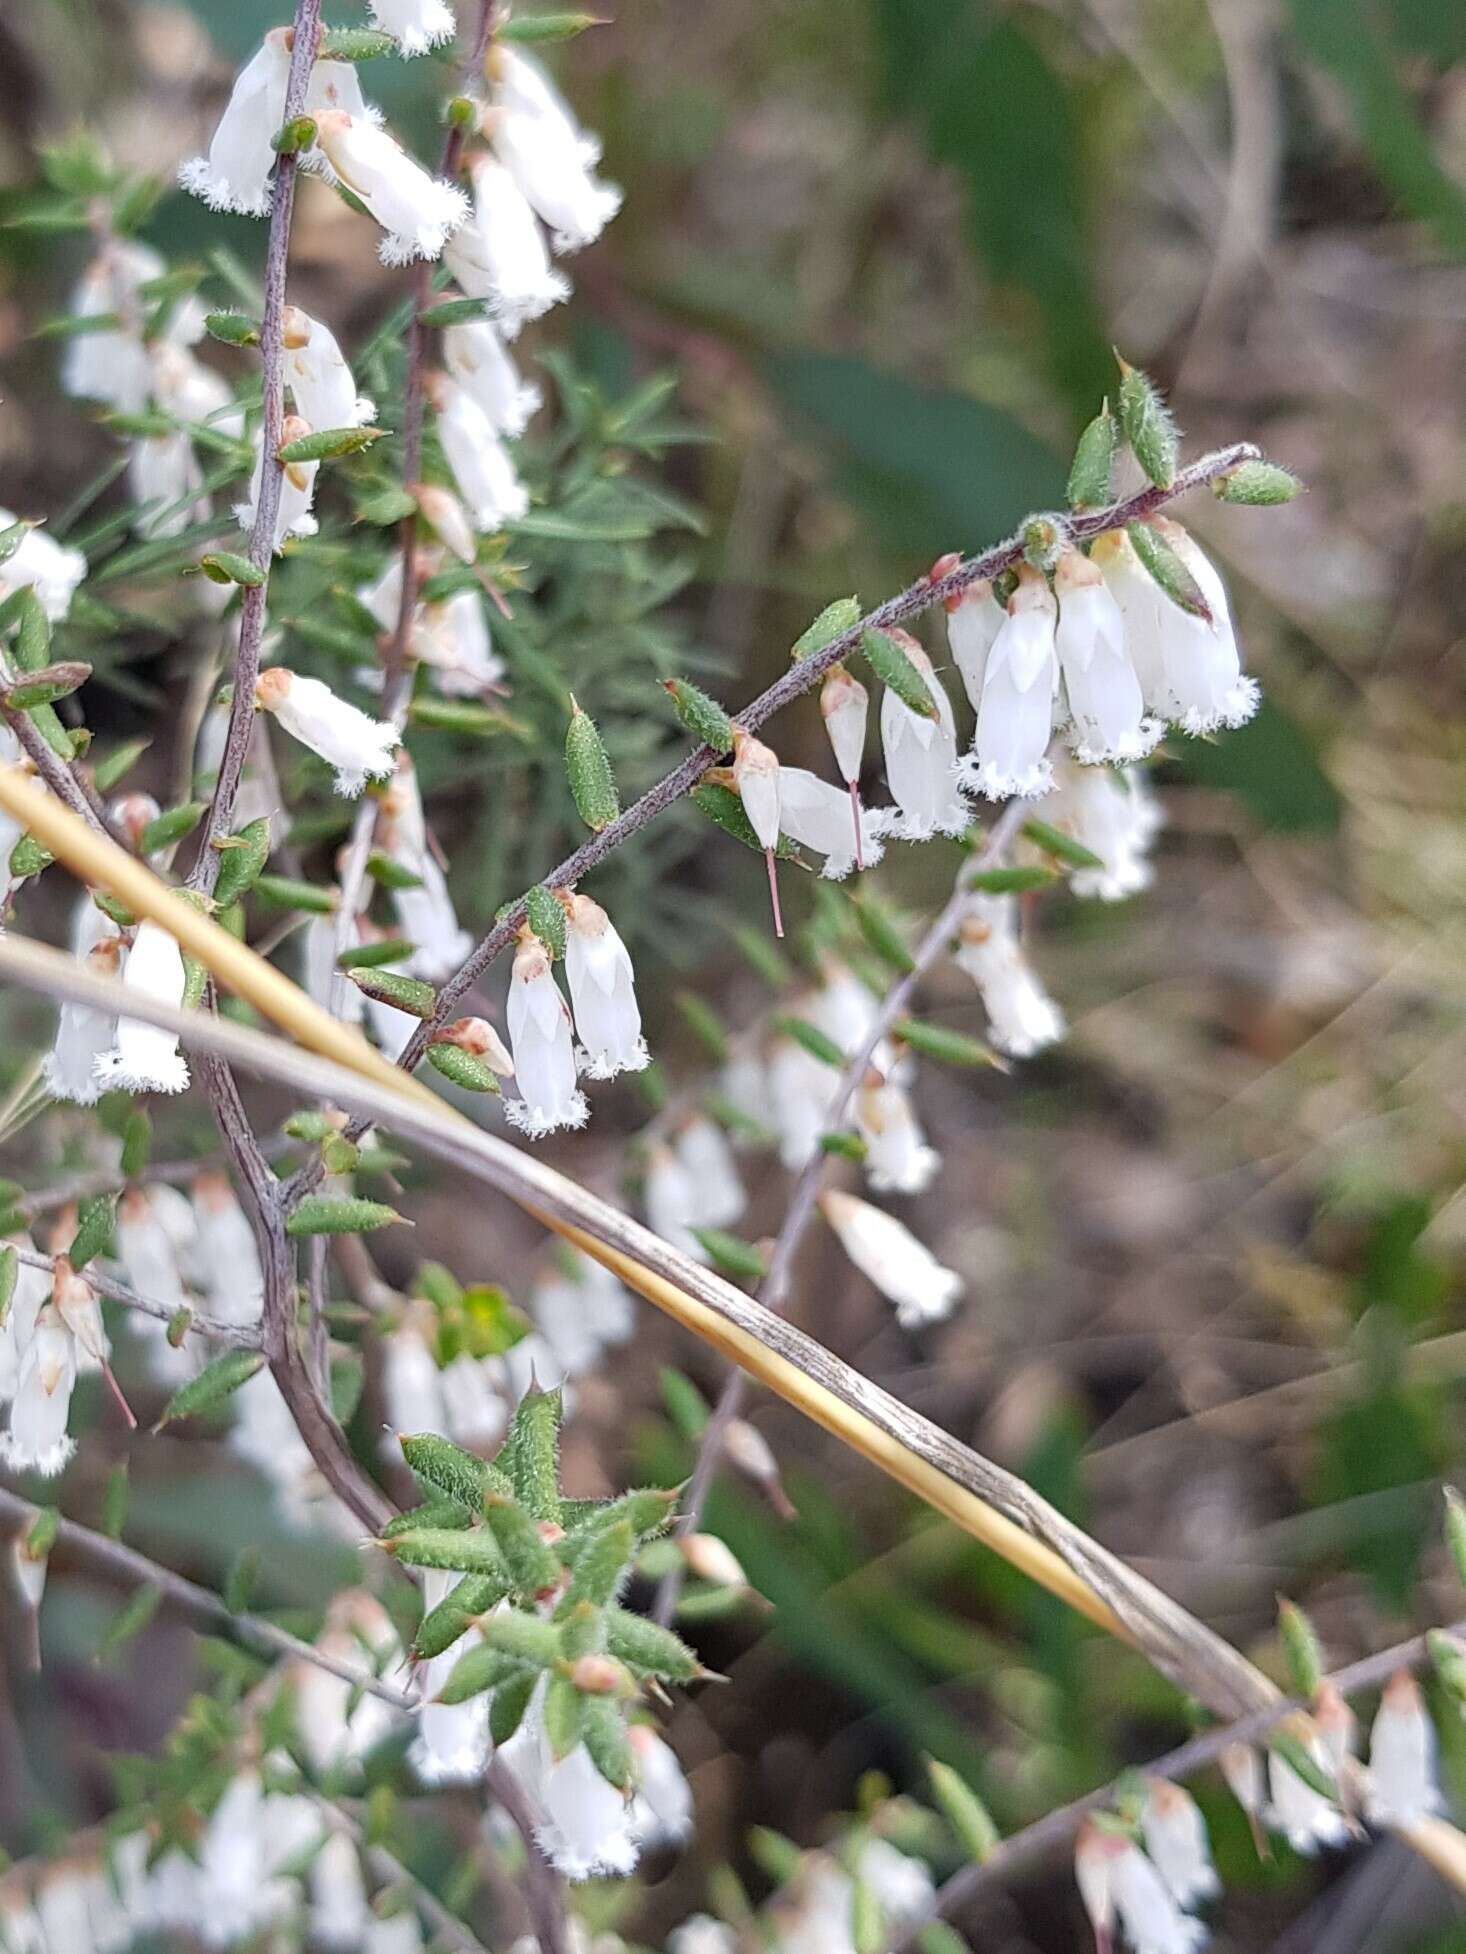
76	1304
756	776
901	1884
165	482
451	1745
801	1091
481	465
190	391
661	1812
1337	1727
83	1034
235	175
49	568
543	1044
418	212
898	1159
339	1723
1305	1817
744	1084
444	514
146	1058
1100	683
602	992
844	705
149	1264
1016	714
32	1290
1022	1017
339	1912
1241	1766
1115	815
478	1037
297	488
974	619
226	1254
921	756
415	25
476	357
111	364
318	376
1402	1785
583	1824
582	1312
700	1933
1175	1837
1148	1916
425	912
819	817
889	1255
670	1199
707	1158
499	254
547	153
36	1439
1190	672
451	637
358	747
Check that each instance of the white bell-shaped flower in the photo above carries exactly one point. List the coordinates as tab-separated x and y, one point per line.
297	488
452	638
974	619
474	1411
1112	812
149	1263
1402	1784
451	1745
543	1044
661	1813
358	747
1204	684
415	25
418	212
898	1159
111	364
1175	1837
583	1824
339	1911
700	1933
412	1387
36	1439
319	378
166	484
340	1724
818	816
550	157
602	992
49	568
669	1195
32	1292
425	913
921	756
499	254
236	173
1016	715
889	1255
756	777
146	1058
801	1091
1100	683
475	355
190	391
83	1035
1148	1916
706	1156
1305	1817
581	1312
226	1255
1022	1017
844	707
486	476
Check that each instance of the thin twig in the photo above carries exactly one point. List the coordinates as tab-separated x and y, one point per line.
773	1291
262	533
1056	1828
190	1599
245	1336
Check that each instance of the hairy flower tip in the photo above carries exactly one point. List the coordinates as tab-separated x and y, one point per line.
236	173
415	25
1022	1018
602	992
83	1036
1402	1786
418	212
1305	1817
549	155
146	1058
898	1159
199	177
499	254
1115	816
1020	680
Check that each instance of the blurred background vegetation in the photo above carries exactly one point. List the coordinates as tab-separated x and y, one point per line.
1214	1241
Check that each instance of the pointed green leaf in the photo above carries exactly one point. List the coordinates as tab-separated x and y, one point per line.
833	622
703	717
1168	570
214	1383
1094	461
896	671
1257	485
1148	425
592	784
326	1214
